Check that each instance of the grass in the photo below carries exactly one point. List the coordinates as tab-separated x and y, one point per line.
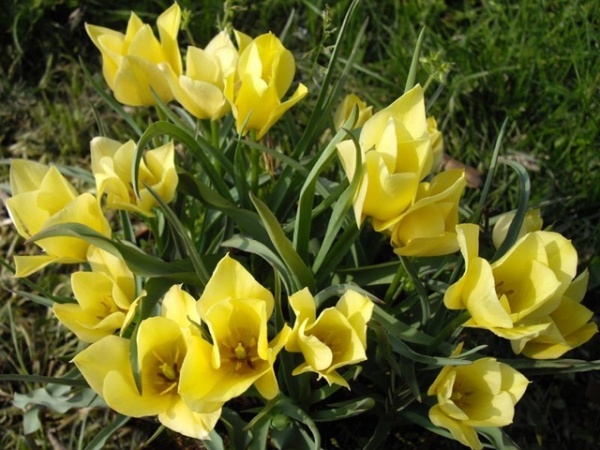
532	62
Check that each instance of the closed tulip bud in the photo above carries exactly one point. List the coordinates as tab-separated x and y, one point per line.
342	113
532	222
265	72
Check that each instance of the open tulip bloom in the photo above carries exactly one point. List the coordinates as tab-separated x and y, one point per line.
260	293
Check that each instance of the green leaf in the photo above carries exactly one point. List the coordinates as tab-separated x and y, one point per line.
100	439
421	291
303	220
300	273
234	424
498	438
491	172
258	248
373	275
42	379
414	64
248	221
187	248
139	262
60	401
339	411
339	216
517	222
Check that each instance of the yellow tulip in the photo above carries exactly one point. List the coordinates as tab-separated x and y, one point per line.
532	222
513	296
343	111
335	339
396	156
103	297
570	326
437	143
112	165
427	228
265	71
481	394
42	197
130	61
162	348
200	90
236	309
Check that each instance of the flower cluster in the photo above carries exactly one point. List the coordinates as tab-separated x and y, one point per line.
206	273
398	146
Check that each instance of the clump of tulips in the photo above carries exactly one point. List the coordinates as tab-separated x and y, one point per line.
280	284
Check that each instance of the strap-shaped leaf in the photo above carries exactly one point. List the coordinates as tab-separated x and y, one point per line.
339	411
307	193
523	205
100	439
138	262
325	257
183	237
300	273
257	248
248	221
414	64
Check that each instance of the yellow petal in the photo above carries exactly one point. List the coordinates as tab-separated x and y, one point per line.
464	434
231	280
180	307
180	418
26	265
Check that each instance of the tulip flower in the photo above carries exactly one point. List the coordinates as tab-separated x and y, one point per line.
236	309
570	326
42	197
427	228
513	296
343	111
162	348
130	61
335	339
437	143
481	394
265	71
112	166
532	222
103	297
200	90
396	156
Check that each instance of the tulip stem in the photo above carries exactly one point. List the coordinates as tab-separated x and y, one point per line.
254	164
423	297
450	328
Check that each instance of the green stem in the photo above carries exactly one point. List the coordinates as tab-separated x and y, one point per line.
423	297
254	164
449	329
